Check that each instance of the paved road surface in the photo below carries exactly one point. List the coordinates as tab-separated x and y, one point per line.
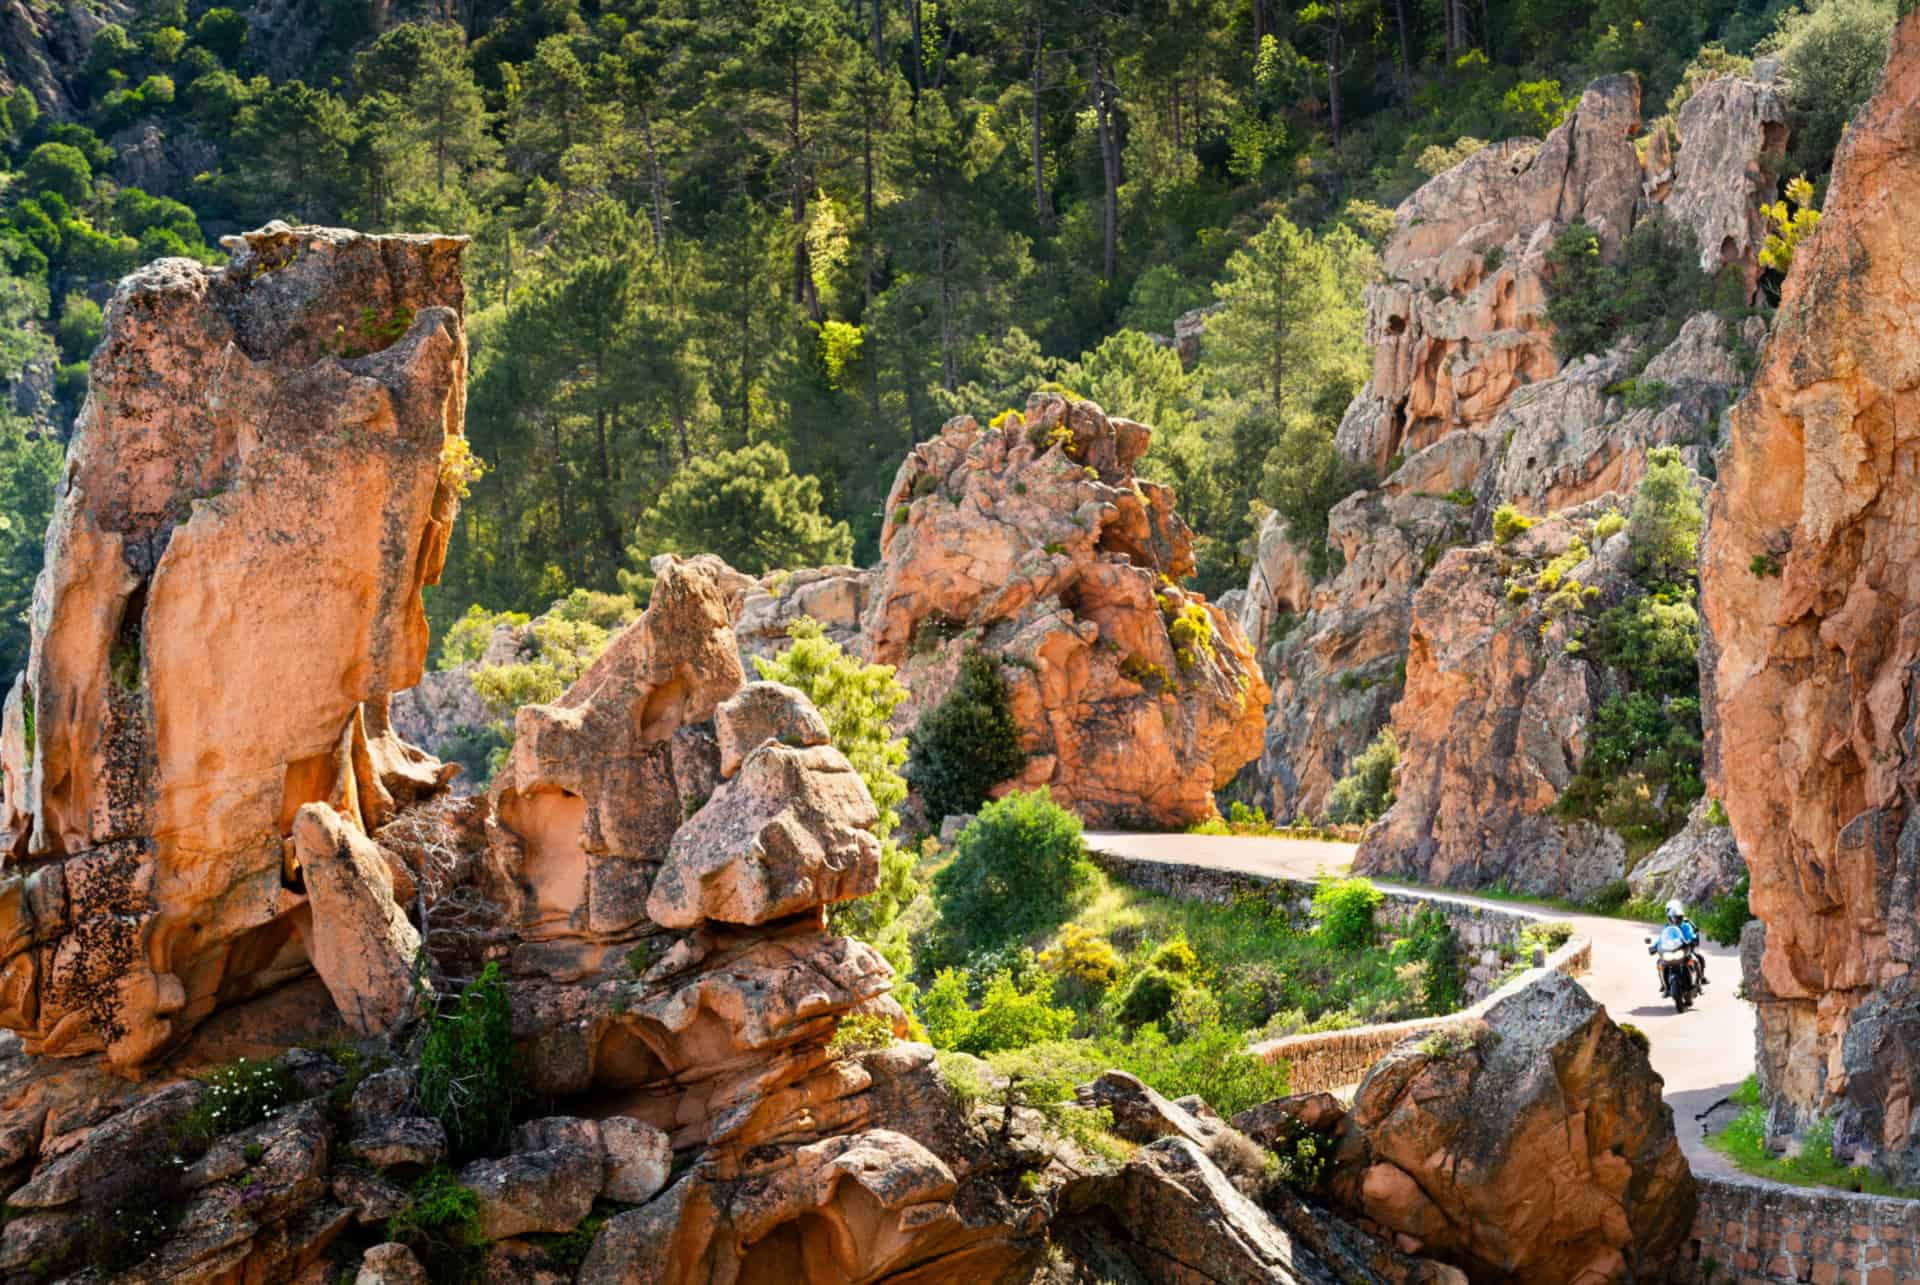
1703	1054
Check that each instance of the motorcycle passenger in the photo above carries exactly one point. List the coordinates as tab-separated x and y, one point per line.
1679	932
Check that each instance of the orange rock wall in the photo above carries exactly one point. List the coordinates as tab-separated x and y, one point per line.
1814	673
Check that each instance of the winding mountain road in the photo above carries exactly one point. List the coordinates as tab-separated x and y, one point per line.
1703	1055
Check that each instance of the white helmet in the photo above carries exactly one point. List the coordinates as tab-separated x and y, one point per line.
1675	910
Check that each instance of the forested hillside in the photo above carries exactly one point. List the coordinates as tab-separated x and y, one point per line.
732	258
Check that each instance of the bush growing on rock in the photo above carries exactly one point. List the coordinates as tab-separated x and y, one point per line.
967	744
1018	870
1642	296
469	1071
1663	524
1010	1015
1366	791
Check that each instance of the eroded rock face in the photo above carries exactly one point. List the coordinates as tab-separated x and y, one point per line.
1540	1151
1451	361
1470	404
232	586
1495	720
1038	543
1811	712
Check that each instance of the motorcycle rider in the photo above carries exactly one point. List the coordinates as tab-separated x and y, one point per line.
1679	932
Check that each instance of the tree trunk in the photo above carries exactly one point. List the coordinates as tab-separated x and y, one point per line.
866	200
919	49
1042	201
1109	164
1333	71
802	273
603	504
1261	26
1406	69
656	181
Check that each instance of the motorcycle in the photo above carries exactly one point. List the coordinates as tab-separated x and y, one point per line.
1681	973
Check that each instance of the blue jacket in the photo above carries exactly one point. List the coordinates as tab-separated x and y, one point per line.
1674	936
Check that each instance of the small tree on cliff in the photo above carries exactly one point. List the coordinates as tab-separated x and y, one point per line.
1663	526
967	744
1018	870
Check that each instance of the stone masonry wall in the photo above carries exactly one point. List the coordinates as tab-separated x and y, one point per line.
1749	1232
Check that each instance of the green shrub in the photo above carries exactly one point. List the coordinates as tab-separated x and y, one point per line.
859	1033
441	1224
1018	870
1637	1036
469	1072
967	744
1343	912
1432	943
1149	997
1717	813
1654	282
1176	956
1211	1061
1082	959
1663	523
1608	524
1366	791
1727	914
1509	522
1010	1016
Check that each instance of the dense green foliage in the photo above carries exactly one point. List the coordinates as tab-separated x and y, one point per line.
1018	869
469	1075
1175	991
1643	295
731	260
966	744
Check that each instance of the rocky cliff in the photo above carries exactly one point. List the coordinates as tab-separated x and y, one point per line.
1497	716
1810	603
254	497
1469	406
1035	541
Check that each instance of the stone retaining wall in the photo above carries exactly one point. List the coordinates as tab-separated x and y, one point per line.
1750	1232
1331	1060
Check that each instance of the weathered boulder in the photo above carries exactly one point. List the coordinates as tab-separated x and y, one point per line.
1280	586
1339	670
762	712
1538	1150
1696	865
835	598
1719	177
791	831
390	1264
1809	601
1036	541
358	938
1454	337
639	1160
255	497
599	781
547	1182
1177	1220
1495	719
1586	432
